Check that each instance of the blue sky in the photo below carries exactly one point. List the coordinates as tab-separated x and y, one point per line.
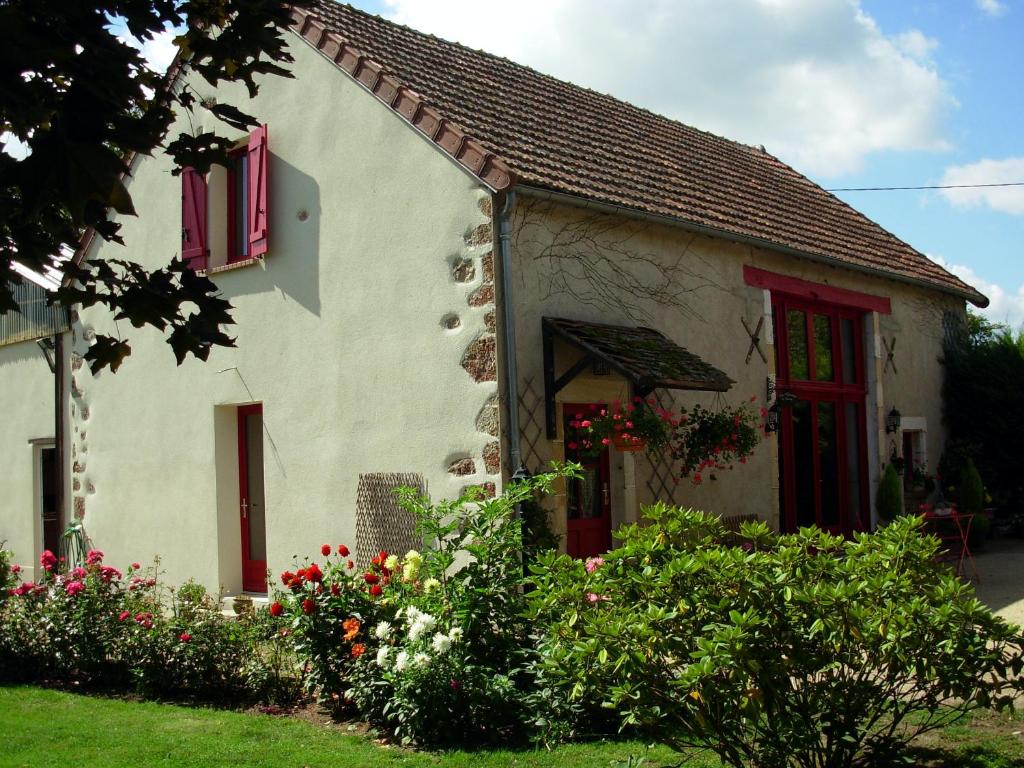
852	93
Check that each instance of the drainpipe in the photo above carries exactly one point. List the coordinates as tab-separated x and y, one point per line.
511	364
59	427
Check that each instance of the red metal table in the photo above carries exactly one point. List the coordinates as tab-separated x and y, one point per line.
953	528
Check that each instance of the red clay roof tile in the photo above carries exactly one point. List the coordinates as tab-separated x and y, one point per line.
509	124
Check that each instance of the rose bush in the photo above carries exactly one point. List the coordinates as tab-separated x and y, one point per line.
433	646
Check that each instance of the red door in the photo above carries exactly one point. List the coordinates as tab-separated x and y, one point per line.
822	448
252	511
588	499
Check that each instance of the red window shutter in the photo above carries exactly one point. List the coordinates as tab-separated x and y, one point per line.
193	219
259	211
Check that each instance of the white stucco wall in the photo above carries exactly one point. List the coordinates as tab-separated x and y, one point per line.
573	262
339	335
26	392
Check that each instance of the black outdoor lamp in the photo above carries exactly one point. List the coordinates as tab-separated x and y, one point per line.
892	422
771	420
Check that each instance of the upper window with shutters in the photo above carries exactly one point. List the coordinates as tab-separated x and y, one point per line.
225	215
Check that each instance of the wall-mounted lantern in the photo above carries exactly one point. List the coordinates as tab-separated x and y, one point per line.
892	422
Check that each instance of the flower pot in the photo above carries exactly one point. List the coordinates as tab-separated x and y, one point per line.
633	445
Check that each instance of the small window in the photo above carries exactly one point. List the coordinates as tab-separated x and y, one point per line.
238	205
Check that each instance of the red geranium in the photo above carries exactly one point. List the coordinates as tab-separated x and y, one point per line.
325	550
185	637
48	560
376	591
371	578
343	550
276	609
314	574
308	606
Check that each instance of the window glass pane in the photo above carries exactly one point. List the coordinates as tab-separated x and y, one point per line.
846	337
828	455
823	348
803	463
796	331
853	469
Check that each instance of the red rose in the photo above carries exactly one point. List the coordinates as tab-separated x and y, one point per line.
185	637
136	566
123	615
325	550
308	606
276	609
371	578
376	591
343	550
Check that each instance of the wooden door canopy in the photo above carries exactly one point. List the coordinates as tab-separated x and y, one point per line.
644	357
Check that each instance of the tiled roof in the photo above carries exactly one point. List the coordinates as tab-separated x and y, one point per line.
644	356
512	125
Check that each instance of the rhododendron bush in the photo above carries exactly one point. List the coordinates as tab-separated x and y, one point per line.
431	646
801	649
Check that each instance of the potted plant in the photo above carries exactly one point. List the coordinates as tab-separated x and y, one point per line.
714	440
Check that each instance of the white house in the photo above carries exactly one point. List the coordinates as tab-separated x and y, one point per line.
431	252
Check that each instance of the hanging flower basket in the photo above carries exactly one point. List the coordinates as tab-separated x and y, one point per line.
629	444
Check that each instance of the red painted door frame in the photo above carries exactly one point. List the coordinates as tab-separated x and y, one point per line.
588	537
254	571
839	394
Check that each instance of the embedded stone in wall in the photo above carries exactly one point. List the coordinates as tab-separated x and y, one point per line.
76	484
485	206
79	507
77	361
489	489
85	413
463	270
481	296
481	359
487	419
480	235
78	467
450	321
487	268
462	467
492	458
489	322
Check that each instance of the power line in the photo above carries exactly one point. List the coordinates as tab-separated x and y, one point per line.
935	186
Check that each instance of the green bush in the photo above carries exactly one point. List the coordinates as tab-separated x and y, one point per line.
801	649
8	573
972	490
432	647
889	499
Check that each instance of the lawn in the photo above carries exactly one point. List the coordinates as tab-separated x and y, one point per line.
43	728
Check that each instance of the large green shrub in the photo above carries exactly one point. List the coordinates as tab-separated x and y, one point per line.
773	650
972	490
889	499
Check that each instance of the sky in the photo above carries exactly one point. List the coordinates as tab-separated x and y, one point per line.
852	93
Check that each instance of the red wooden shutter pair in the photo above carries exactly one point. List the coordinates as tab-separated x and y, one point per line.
194	211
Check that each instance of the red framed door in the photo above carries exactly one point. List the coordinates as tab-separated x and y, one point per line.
252	511
588	499
822	437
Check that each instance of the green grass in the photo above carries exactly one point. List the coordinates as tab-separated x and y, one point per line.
43	728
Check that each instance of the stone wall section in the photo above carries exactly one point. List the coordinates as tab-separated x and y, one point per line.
472	271
80	410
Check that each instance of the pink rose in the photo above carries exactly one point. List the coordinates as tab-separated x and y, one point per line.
185	637
73	588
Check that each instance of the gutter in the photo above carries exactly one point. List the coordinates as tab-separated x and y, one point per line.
60	426
508	322
974	297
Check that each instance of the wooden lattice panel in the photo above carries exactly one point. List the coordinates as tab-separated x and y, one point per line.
381	524
531	425
659	481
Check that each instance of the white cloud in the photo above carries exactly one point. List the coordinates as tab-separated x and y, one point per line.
991	7
1005	199
1005	306
817	82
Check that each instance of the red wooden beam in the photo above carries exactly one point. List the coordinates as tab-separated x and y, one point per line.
805	289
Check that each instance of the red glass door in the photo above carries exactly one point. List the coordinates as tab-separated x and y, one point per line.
588	499
822	437
252	511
